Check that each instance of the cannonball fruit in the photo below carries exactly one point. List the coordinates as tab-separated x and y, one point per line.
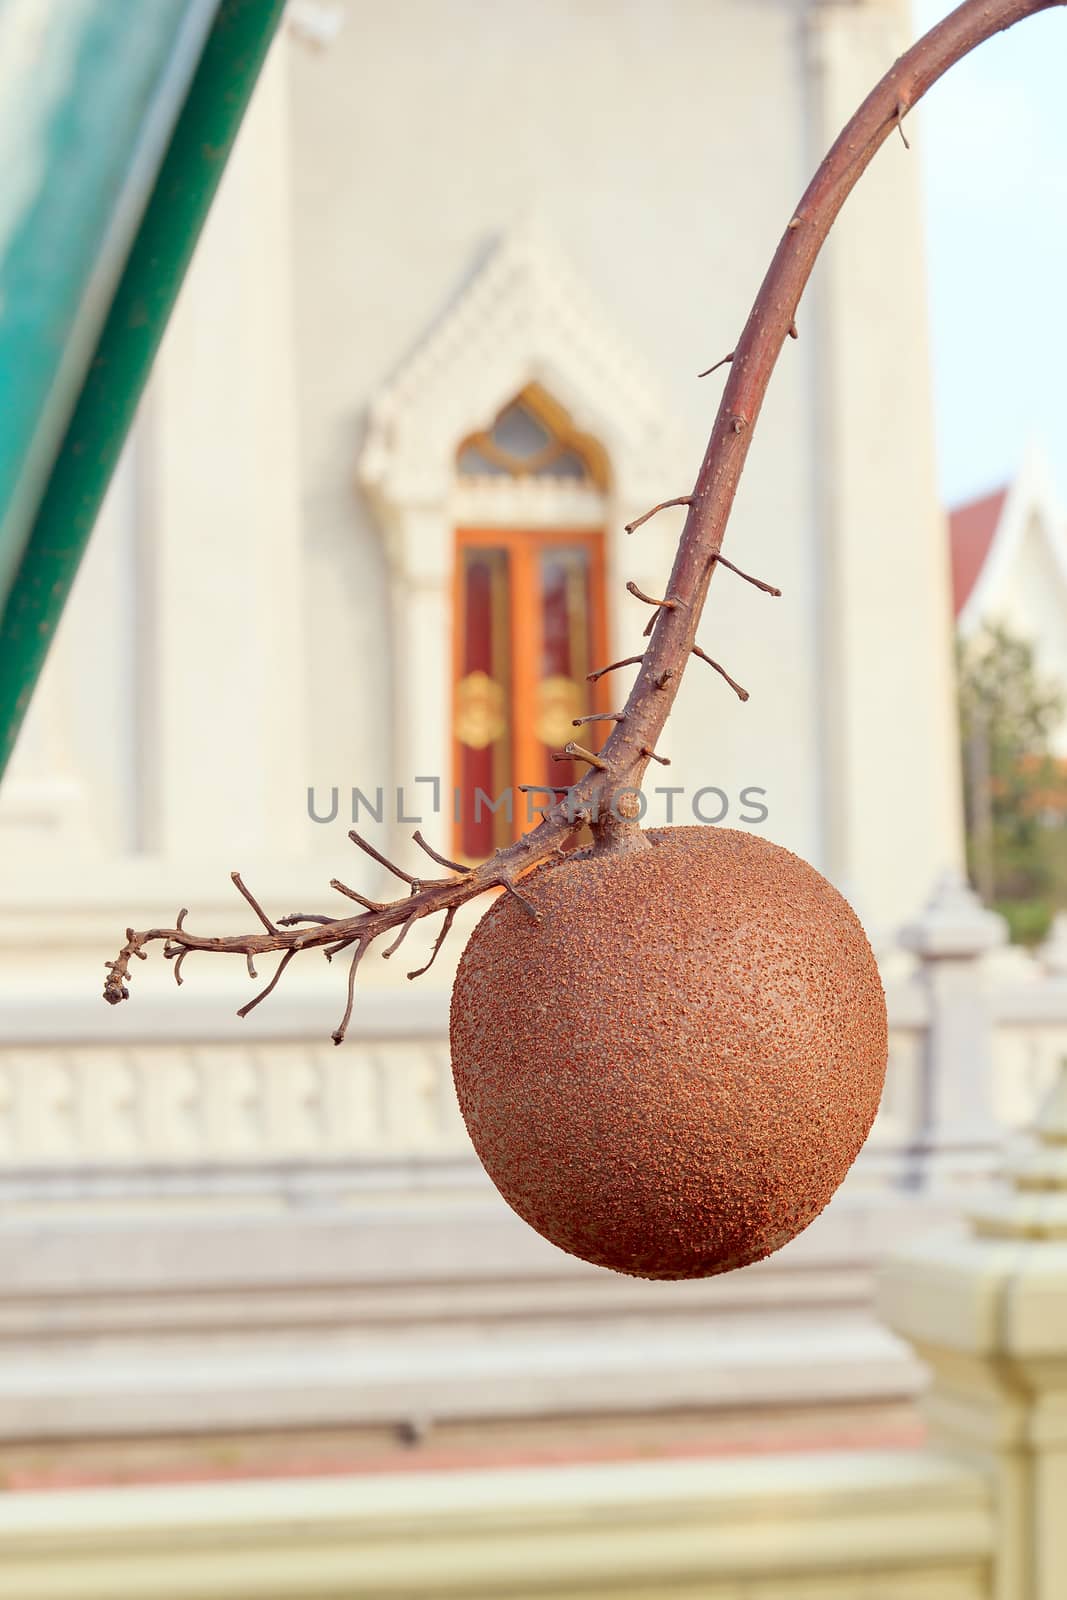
671	1071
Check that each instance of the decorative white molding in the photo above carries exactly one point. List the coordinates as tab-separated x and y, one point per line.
223	1106
524	318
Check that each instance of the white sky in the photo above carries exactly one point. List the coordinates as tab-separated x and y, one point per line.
993	142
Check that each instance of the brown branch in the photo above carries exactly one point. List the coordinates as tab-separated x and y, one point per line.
530	910
360	899
900	114
599	716
630	661
575	752
757	583
664	505
442	861
254	903
725	362
272	985
342	1027
450	917
669	604
624	757
401	936
383	861
742	694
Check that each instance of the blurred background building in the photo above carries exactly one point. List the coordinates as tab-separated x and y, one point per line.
438	346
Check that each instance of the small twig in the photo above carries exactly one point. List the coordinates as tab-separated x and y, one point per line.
669	604
664	761
401	936
725	362
279	969
542	788
794	331
295	917
178	965
530	910
757	583
901	112
360	899
252	973
450	917
599	716
383	861
342	1027
742	694
664	505
630	661
180	921
253	902
442	861
575	752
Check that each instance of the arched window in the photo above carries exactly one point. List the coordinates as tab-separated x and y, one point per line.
528	623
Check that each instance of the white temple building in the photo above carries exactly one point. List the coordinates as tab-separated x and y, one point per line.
438	345
1009	566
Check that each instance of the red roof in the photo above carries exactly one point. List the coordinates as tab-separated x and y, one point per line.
970	531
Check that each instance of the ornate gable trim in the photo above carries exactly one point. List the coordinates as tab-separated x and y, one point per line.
524	318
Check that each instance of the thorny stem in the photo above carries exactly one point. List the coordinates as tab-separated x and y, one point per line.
621	764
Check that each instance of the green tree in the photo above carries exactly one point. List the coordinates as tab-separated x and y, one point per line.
1012	783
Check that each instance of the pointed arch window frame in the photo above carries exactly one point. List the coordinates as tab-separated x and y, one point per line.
525	323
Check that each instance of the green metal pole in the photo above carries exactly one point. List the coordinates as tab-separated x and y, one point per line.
58	529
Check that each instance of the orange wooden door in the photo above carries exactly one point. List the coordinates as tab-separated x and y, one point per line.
528	628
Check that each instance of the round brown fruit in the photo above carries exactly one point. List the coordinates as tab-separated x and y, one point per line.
672	1070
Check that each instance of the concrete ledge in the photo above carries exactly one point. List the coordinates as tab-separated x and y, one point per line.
855	1526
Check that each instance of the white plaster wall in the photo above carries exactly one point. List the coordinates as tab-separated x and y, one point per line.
891	800
664	145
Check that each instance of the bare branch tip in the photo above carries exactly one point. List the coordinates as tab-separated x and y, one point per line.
450	917
630	661
577	752
252	901
900	114
401	936
742	694
442	861
530	909
725	362
664	505
287	956
757	583
383	861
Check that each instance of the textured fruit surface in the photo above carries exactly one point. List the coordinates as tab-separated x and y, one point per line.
671	1072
